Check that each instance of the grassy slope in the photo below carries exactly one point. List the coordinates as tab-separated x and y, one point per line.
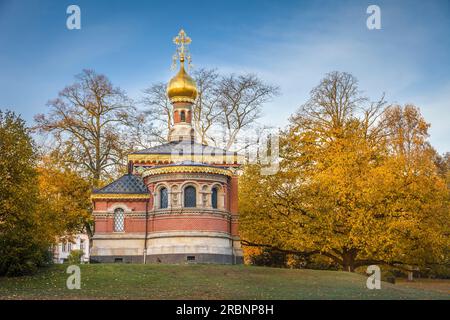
124	281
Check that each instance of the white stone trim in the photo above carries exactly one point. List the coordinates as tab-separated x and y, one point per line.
120	205
165	234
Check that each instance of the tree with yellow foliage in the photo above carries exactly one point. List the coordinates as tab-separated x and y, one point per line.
24	238
64	197
39	202
357	184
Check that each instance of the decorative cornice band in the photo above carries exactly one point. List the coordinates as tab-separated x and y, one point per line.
181	99
189	169
177	177
168	213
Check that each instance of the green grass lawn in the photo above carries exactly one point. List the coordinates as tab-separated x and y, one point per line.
134	281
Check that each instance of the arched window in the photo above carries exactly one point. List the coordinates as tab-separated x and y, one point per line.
214	198
190	197
183	116
119	218
163	198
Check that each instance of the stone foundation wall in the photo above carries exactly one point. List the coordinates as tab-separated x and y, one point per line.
171	259
167	247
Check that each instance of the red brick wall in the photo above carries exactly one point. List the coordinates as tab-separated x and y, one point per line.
171	222
176	117
105	205
134	224
234	225
166	223
100	205
103	225
190	223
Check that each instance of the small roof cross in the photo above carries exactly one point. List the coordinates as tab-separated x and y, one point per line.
182	53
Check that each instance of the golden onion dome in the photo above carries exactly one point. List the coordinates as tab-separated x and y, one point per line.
182	87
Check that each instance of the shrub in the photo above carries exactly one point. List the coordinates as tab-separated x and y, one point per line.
75	257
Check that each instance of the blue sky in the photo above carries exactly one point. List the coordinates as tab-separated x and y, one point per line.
292	44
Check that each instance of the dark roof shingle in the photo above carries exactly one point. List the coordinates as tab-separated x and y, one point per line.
128	184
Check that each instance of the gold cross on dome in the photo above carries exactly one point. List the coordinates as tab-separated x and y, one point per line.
182	53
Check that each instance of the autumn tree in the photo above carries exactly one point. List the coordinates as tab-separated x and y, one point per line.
89	122
422	194
64	197
343	191
24	239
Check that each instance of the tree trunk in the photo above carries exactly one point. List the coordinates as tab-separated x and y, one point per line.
348	259
96	179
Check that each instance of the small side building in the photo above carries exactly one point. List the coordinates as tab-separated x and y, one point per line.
66	245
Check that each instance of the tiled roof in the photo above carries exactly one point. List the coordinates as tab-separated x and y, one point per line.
185	147
127	184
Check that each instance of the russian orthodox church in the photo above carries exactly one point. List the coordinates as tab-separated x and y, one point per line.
179	201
